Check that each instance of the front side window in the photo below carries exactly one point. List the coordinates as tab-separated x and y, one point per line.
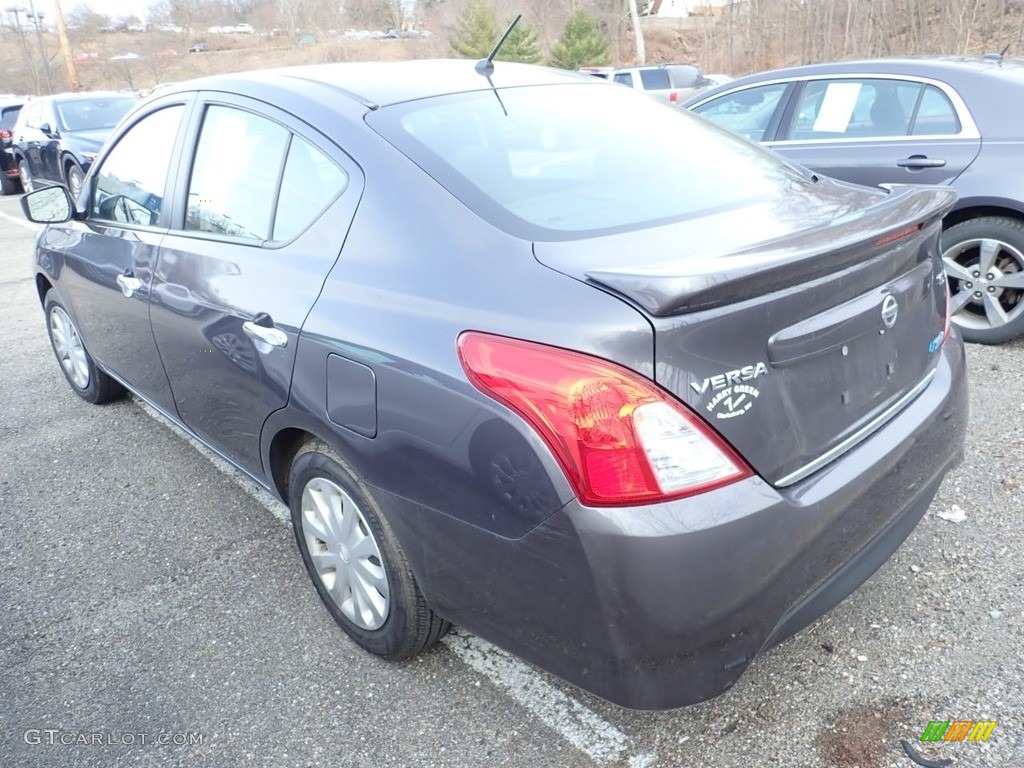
854	109
129	187
747	112
235	174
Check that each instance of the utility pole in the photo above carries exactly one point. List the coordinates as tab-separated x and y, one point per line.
37	21
65	47
638	32
15	11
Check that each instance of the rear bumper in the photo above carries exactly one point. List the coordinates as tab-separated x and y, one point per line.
661	606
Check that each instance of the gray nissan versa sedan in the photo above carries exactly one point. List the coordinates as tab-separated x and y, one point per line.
520	359
928	120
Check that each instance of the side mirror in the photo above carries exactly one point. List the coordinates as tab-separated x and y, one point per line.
47	129
50	205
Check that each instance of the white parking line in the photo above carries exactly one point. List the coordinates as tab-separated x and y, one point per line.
19	221
594	736
583	728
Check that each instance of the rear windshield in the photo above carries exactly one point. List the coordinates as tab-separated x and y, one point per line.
571	161
94	114
655	79
7	117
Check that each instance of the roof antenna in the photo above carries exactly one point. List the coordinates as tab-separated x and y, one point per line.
486	66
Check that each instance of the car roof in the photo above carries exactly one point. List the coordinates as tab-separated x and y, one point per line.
382	83
85	95
1010	68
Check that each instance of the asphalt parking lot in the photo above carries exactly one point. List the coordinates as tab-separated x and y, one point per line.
156	612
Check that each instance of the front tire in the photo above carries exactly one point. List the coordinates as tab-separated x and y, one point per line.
75	178
354	559
25	175
984	261
89	382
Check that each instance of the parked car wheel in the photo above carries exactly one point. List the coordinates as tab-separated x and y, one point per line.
27	183
354	559
984	259
9	185
75	178
89	383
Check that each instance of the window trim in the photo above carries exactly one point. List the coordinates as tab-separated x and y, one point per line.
170	183
968	127
295	127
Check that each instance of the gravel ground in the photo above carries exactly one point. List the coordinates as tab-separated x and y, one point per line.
143	592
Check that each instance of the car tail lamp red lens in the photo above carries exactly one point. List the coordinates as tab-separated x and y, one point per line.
5	134
619	438
899	234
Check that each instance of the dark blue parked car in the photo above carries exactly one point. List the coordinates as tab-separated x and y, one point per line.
56	138
524	351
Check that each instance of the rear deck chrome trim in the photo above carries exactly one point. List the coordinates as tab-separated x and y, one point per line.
857	437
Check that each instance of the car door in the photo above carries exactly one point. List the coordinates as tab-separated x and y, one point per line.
244	264
876	130
48	157
110	253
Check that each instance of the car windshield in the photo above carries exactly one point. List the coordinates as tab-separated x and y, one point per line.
571	161
94	114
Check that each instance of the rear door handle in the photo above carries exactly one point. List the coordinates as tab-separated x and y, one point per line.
262	330
128	285
920	161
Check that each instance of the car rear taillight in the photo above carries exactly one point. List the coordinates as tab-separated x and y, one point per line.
673	97
5	134
619	438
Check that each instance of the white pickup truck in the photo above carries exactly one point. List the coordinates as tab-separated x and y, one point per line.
672	83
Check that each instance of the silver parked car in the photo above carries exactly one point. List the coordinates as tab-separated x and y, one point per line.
929	120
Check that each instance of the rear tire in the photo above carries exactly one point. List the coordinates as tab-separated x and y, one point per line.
984	261
89	382
354	559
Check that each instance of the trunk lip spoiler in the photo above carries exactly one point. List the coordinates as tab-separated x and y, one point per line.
663	289
857	437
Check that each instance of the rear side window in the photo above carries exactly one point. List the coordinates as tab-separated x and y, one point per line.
852	109
936	115
235	174
311	182
8	116
625	78
655	79
129	187
252	178
563	162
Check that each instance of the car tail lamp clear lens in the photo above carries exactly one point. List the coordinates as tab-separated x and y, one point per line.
619	438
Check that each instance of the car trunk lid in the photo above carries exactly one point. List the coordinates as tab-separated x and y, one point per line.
795	346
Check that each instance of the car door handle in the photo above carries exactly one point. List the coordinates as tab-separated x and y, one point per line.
920	161
267	334
128	285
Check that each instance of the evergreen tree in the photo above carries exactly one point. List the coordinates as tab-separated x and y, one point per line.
478	32
521	46
581	44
